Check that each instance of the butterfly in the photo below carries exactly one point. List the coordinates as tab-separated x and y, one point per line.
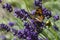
39	15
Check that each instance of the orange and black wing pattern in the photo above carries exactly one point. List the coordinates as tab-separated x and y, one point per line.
39	15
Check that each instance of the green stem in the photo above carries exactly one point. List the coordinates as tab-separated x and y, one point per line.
45	34
54	33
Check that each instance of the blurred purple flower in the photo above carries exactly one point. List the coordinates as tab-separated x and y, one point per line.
47	13
11	24
14	38
8	7
3	37
55	28
0	1
22	14
56	17
38	3
28	38
5	27
33	12
14	31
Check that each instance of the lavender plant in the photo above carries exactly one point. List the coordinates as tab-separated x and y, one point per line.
29	20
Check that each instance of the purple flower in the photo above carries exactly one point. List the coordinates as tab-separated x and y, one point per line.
8	7
15	39
25	31
33	12
14	31
32	22
29	26
28	38
40	24
40	39
5	27
3	37
46	39
38	3
20	34
28	31
46	12
26	24
56	17
55	28
11	24
34	35
22	14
